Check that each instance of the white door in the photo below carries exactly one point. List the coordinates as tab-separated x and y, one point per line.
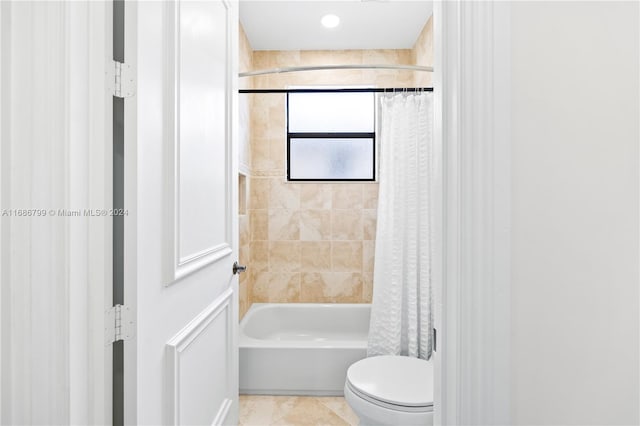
181	234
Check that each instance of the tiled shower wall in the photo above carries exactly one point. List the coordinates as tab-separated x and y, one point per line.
246	63
309	242
423	54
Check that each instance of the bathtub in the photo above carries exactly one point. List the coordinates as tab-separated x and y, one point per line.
300	348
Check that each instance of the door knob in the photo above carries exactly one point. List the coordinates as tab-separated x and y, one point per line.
237	268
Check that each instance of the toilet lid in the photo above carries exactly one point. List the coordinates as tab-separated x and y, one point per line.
397	380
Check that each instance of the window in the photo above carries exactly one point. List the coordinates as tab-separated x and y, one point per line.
330	136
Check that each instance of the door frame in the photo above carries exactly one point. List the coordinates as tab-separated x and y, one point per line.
100	194
130	223
472	63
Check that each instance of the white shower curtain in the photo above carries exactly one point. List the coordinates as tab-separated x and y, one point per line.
401	318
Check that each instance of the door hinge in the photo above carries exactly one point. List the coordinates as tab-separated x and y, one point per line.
119	324
123	80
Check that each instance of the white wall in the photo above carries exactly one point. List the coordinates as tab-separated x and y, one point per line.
54	280
575	133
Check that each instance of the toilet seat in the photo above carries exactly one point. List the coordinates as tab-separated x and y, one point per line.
394	407
395	382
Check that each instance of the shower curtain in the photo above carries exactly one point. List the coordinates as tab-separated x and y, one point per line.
401	318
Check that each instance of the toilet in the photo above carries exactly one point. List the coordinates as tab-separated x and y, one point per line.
391	390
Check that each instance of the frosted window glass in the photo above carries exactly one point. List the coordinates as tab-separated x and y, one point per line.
331	112
339	159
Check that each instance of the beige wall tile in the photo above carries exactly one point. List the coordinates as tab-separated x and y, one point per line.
315	196
252	274
266	173
260	157
393	79
283	194
337	287
329	223
276	287
316	256
331	57
405	56
369	218
244	223
346	225
370	196
259	222
423	54
259	198
284	224
284	58
403	79
268	133
277	117
261	81
349	56
280	81
369	76
284	256
423	49
259	256
315	225
268	116
243	300
277	154
244	130
260	126
246	53
346	256
380	56
347	196
243	279
367	290
345	77
244	229
244	258
368	254
261	59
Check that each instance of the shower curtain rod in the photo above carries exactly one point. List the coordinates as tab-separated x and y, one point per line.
346	90
335	67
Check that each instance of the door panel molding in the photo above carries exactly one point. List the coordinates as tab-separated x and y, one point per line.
201	339
223	412
192	143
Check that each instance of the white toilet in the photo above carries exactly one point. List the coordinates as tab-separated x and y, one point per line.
391	390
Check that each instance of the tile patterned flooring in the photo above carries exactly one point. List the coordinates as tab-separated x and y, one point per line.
259	410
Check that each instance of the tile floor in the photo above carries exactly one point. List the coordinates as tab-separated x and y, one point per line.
258	410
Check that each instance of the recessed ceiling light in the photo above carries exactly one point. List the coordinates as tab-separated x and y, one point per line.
330	21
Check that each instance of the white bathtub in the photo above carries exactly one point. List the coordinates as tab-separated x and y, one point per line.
300	348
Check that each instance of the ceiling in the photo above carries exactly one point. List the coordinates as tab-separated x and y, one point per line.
295	25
